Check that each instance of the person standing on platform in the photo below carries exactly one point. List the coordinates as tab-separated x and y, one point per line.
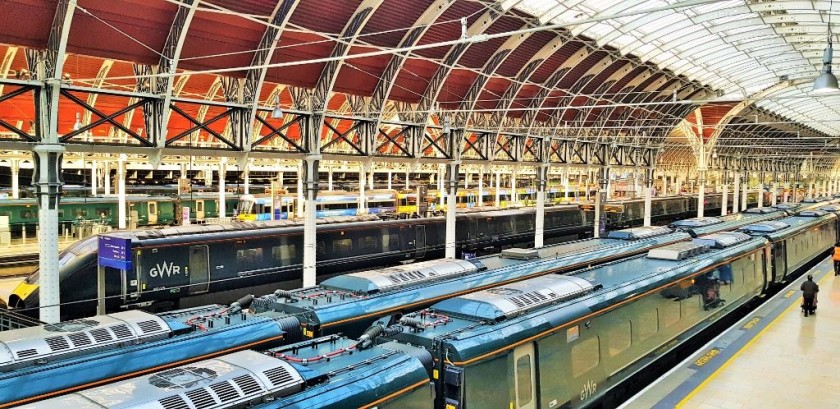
809	294
836	258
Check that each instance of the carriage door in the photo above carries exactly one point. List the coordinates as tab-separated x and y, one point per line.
130	281
152	211
420	241
199	270
199	209
524	377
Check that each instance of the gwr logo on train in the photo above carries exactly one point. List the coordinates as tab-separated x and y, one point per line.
167	269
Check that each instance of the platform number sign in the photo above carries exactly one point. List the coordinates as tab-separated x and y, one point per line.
115	252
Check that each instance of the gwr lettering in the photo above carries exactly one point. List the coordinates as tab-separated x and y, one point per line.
167	269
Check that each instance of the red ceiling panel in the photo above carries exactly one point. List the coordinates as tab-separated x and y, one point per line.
448	27
391	21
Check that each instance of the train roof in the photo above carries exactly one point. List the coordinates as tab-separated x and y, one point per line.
780	229
467	328
229	380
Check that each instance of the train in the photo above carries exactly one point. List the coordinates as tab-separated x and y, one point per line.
144	210
557	340
192	265
345	304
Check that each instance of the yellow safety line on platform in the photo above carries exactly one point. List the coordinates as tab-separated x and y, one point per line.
744	348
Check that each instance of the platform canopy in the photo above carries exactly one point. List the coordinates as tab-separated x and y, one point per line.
390	78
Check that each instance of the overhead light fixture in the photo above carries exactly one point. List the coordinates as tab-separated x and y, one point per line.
277	113
827	82
78	124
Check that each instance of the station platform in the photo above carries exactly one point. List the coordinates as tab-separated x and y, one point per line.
775	357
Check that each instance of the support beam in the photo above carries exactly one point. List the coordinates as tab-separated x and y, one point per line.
121	208
542	182
736	186
310	167
744	191
222	175
701	193
107	174
498	189
451	197
724	202
15	168
648	194
600	199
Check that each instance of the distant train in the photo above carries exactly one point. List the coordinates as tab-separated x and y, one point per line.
150	210
236	258
551	341
344	304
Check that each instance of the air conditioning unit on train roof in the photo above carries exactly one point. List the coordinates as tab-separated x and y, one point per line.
677	251
697	222
812	213
722	240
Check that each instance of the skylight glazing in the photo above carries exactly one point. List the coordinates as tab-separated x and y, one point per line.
738	47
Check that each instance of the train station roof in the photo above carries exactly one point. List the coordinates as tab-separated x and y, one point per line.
728	77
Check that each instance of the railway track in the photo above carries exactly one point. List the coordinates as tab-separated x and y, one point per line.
18	265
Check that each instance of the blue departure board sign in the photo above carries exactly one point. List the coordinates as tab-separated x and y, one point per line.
115	252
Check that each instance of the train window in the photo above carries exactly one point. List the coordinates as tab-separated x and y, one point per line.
390	242
249	255
27	214
321	248
81	212
585	356
343	246
284	253
368	243
618	337
103	211
523	380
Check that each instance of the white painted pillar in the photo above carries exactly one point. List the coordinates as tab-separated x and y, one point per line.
15	168
280	179
301	206
701	193
761	193
441	187
247	183
48	190
389	180
498	187
773	193
597	226
222	193
94	179
362	182
370	179
724	201
565	179
121	207
786	193
467	177
514	197
329	179
451	191
107	173
744	191
736	186
648	197
480	201
407	180
309	220
664	184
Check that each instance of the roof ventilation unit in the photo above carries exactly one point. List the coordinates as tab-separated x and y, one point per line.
765	227
722	240
786	206
761	210
678	251
637	233
696	222
517	298
386	279
812	213
830	208
520	254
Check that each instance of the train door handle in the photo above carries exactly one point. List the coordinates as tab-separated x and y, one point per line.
220	267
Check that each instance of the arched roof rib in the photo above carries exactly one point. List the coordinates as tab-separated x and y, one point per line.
616	75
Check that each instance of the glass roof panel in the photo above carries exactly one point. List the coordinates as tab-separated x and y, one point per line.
738	47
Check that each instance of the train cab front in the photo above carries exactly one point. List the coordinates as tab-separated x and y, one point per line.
24	297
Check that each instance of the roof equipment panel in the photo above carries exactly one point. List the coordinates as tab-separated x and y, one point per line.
765	227
231	380
520	254
26	346
696	222
830	208
636	233
722	240
761	210
786	206
385	279
812	213
678	251
517	298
